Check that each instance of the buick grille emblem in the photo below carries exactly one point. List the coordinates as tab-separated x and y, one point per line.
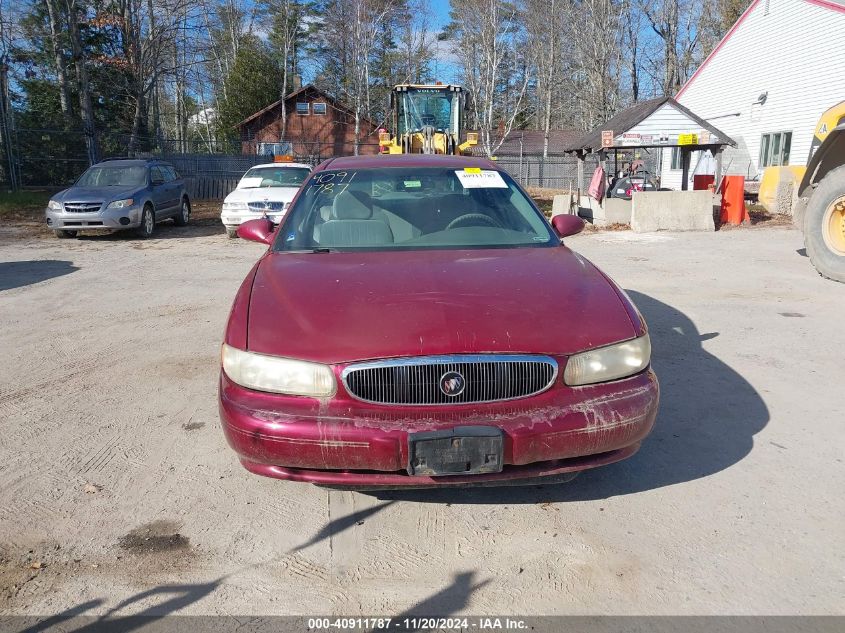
452	383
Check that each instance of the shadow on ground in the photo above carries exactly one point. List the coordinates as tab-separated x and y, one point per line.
164	231
706	423
19	274
171	599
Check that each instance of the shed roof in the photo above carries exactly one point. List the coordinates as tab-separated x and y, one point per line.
641	117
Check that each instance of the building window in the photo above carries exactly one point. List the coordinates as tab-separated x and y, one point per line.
274	149
319	107
676	159
774	149
302	107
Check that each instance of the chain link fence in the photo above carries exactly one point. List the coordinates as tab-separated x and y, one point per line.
211	168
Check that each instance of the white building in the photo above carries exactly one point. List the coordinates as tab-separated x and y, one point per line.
766	84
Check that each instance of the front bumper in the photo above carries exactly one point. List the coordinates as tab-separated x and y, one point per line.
346	442
102	219
234	219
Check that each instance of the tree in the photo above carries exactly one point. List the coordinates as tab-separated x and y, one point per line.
485	36
253	83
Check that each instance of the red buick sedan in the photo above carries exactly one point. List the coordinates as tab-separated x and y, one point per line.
417	322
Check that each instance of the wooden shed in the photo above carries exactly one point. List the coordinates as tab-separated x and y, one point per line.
318	126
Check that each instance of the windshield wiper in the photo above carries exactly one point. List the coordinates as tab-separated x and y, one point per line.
323	250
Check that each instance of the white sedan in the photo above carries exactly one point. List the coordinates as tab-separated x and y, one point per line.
263	190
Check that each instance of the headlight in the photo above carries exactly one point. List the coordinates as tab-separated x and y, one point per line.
608	363
278	375
54	206
235	206
121	204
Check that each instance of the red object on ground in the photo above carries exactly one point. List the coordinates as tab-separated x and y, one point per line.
733	200
700	182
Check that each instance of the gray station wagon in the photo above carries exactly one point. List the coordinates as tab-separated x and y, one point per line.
120	194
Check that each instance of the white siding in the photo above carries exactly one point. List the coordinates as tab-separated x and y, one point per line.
667	119
790	49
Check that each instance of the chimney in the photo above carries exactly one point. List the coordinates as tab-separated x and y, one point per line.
297	82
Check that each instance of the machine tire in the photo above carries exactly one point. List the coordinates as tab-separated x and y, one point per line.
184	215
232	232
146	228
64	235
825	209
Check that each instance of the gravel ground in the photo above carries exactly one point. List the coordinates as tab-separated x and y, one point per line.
117	490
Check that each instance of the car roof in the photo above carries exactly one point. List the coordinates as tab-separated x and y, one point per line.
304	165
407	160
131	162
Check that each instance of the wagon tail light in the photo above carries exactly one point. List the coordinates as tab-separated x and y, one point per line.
275	374
608	363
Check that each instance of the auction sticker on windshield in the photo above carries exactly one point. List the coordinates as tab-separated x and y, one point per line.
480	179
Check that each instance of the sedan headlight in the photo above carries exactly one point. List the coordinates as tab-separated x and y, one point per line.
608	363
121	204
278	375
235	206
53	205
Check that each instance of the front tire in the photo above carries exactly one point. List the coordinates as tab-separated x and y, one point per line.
824	226
232	232
184	215
64	235
147	223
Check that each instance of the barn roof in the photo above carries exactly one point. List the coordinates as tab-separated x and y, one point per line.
530	142
638	114
292	95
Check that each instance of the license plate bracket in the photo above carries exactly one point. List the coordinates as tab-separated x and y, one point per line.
463	450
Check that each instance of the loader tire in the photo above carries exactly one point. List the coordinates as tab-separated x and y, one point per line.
824	226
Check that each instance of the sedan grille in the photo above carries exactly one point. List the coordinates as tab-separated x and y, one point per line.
433	380
83	207
266	207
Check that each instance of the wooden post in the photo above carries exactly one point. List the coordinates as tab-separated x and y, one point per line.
717	180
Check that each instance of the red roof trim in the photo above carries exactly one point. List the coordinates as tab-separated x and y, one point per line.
716	50
827	4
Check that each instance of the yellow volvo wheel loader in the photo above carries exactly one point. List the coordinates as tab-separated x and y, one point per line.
427	119
820	208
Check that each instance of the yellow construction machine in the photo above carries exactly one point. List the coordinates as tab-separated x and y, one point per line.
820	206
427	119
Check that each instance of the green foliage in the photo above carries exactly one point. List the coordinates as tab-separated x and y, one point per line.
22	202
254	82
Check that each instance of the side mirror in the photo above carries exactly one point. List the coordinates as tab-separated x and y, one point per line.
565	225
260	230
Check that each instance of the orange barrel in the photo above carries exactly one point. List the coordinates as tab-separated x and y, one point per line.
700	182
733	200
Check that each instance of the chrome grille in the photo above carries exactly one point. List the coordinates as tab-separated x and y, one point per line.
83	207
416	381
266	207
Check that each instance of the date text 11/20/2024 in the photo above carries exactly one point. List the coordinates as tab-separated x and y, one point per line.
417	624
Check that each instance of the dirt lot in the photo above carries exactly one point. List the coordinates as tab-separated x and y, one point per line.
118	492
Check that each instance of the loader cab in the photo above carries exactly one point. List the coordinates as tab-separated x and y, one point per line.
427	119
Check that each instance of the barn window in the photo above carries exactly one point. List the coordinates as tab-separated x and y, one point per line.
302	107
774	149
319	107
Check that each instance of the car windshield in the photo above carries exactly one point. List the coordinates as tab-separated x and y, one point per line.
114	176
412	209
273	177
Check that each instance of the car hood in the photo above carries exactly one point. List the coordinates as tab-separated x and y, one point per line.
94	194
341	307
271	194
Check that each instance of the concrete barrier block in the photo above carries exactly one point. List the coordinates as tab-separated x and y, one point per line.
672	211
562	205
